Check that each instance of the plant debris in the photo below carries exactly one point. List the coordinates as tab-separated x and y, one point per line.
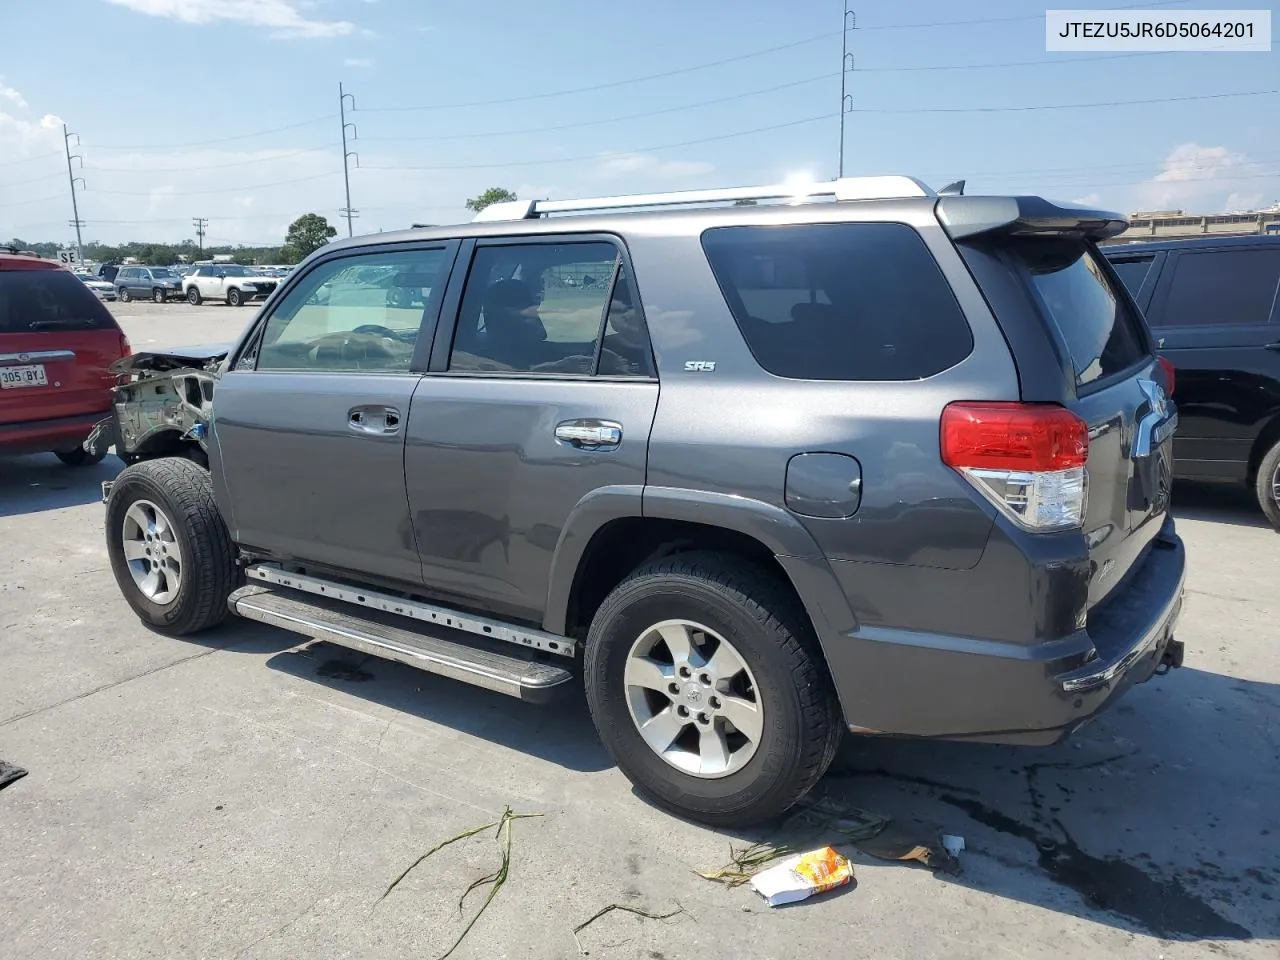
625	909
495	880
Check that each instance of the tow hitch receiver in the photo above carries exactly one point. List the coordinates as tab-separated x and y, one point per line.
1172	656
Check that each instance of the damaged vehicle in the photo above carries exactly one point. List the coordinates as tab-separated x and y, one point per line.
874	459
161	406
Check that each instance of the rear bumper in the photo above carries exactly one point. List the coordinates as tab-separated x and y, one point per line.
949	687
40	436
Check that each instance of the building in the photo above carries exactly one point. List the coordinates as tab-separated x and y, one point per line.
1177	225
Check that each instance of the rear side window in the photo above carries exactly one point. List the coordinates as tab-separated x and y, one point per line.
1222	287
1100	332
1133	271
36	300
840	301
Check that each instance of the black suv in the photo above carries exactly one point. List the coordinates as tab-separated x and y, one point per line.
1213	306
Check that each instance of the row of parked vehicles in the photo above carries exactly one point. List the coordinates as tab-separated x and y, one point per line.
232	283
746	489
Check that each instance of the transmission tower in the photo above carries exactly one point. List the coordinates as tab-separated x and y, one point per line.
200	223
75	220
347	211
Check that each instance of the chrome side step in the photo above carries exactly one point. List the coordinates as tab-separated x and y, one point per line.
433	651
414	609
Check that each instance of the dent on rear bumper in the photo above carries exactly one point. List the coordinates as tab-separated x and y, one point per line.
929	684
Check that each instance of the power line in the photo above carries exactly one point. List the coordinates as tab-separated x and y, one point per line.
39	156
23	203
19	183
201	193
1066	106
211	166
204	143
681	71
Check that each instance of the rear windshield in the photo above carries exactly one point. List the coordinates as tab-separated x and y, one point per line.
36	300
1100	332
839	301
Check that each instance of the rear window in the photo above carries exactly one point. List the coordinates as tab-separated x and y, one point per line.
36	300
1100	332
839	301
1133	271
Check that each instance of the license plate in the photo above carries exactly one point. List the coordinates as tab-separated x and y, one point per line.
31	375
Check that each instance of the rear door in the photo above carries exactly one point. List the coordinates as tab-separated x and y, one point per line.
1120	392
1215	315
56	342
310	419
545	392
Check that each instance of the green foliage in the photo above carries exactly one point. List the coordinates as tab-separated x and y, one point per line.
489	198
307	234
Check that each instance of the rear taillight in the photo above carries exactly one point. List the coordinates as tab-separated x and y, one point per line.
1169	374
126	349
1026	458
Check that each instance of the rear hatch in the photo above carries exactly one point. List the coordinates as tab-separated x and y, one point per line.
1098	360
57	342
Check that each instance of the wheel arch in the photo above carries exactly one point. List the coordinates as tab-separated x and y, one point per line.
1267	438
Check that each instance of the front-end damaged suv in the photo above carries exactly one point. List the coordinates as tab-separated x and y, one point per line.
870	458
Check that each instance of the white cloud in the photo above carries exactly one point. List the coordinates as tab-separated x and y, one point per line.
1200	179
636	165
284	15
13	96
361	62
1088	200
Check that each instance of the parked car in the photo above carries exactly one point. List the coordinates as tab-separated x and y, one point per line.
57	343
108	271
785	470
147	283
1214	306
231	282
103	288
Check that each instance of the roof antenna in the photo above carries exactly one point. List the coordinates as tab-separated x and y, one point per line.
955	189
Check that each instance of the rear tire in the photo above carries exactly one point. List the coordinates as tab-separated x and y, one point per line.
795	708
78	457
124	295
235	298
193	296
158	295
1267	485
166	508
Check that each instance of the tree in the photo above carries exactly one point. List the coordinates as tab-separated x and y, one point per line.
309	233
489	198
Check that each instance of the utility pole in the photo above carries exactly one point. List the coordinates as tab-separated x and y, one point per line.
75	208
200	223
846	65
347	154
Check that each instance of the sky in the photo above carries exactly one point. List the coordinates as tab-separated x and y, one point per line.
229	109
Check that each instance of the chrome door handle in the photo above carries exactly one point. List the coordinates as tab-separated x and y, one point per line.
382	421
590	434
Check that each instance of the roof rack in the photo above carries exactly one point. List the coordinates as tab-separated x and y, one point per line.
847	188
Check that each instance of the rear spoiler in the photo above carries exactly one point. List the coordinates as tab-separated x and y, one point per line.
967	217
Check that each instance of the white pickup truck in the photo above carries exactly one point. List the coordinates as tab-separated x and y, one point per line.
232	282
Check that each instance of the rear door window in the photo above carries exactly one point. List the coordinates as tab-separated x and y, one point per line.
38	300
840	301
1101	334
1133	272
1221	287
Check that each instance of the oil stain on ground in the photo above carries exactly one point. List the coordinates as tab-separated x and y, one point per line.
1164	907
343	670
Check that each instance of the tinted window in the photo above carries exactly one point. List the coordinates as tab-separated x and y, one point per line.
535	308
1133	271
33	300
1221	286
355	313
847	301
625	350
1101	334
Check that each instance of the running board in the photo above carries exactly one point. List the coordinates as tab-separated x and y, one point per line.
414	609
433	651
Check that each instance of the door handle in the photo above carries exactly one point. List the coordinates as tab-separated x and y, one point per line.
590	434
381	421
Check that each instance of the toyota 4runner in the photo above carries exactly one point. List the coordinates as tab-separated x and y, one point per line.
866	457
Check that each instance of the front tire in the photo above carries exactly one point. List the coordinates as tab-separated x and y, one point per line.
124	295
193	297
170	551
1268	485
708	689
235	298
158	295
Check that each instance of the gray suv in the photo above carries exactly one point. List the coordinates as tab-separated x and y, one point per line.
870	458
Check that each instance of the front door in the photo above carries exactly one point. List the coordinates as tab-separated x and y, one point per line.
542	396
310	419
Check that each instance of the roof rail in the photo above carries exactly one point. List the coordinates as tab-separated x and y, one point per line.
847	188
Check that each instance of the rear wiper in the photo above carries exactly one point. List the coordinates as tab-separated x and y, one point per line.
81	324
